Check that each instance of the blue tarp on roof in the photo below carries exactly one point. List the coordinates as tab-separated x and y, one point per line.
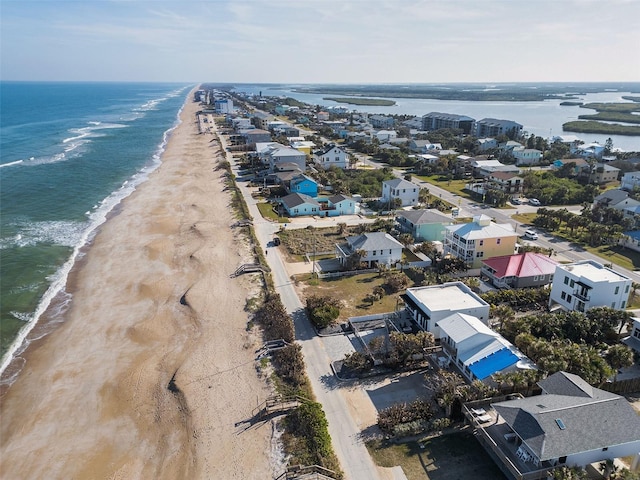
493	363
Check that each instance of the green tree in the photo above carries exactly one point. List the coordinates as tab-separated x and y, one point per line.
619	356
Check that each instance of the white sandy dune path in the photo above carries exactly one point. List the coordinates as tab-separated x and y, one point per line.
92	401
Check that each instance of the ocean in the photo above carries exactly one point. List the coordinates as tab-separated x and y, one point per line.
69	153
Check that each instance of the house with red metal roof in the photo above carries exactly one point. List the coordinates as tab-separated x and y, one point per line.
519	271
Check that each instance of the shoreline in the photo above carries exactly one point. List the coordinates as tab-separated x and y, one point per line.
59	292
136	383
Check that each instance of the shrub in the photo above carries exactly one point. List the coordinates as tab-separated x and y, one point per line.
404	413
275	320
289	365
322	310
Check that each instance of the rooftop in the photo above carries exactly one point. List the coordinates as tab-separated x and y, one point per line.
446	296
527	264
593	271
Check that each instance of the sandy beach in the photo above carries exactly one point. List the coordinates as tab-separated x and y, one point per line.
152	302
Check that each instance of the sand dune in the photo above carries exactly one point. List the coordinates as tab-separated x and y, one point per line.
152	304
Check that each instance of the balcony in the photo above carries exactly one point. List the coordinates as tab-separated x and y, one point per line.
581	295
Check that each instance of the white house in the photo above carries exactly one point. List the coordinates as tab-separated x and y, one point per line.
478	351
587	284
428	305
332	156
571	423
343	205
630	181
406	191
633	340
526	156
385	135
376	248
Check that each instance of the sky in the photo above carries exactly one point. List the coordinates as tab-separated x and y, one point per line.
320	41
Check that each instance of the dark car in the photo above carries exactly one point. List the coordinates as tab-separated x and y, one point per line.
276	241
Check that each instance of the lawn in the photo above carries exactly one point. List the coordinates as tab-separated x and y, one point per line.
453	186
457	456
266	210
351	291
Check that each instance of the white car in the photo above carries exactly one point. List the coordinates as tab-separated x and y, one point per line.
535	202
530	234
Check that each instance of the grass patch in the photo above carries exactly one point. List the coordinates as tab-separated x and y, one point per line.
623	257
266	210
453	186
457	456
351	290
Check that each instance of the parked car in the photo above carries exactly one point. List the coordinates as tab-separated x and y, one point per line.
535	202
516	201
530	234
276	241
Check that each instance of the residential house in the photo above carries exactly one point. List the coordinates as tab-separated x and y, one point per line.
618	199
423	146
332	156
256	135
590	150
579	165
526	156
303	185
261	119
509	145
424	225
385	136
376	247
476	350
478	240
485	144
633	340
437	120
343	205
493	127
428	305
604	173
296	205
630	181
519	271
587	284
401	189
483	168
284	154
572	141
506	182
571	423
322	116
305	146
382	121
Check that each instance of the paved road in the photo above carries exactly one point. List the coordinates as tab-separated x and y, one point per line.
345	435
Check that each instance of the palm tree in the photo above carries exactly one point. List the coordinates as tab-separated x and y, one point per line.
619	356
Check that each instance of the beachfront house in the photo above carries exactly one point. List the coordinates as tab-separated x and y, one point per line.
571	423
426	306
297	204
476	350
374	248
304	185
343	205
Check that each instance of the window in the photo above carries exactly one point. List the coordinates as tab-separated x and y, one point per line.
374	253
563	295
566	280
498	241
626	289
380	252
569	297
389	251
479	254
617	290
481	242
535	278
613	304
572	283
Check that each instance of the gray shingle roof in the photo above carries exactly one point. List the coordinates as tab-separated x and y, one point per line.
373	241
592	419
420	217
399	183
296	199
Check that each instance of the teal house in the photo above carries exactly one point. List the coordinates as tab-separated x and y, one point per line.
424	225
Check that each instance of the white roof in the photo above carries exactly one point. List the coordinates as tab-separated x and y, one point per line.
476	231
448	296
593	271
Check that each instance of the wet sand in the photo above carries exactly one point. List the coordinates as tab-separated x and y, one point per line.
153	365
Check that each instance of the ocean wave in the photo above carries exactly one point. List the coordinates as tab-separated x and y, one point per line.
10	164
63	233
99	215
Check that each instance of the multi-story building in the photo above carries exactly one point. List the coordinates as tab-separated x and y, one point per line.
479	240
437	120
381	121
492	127
587	284
424	225
428	305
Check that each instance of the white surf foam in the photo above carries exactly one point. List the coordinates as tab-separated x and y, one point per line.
17	162
96	218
